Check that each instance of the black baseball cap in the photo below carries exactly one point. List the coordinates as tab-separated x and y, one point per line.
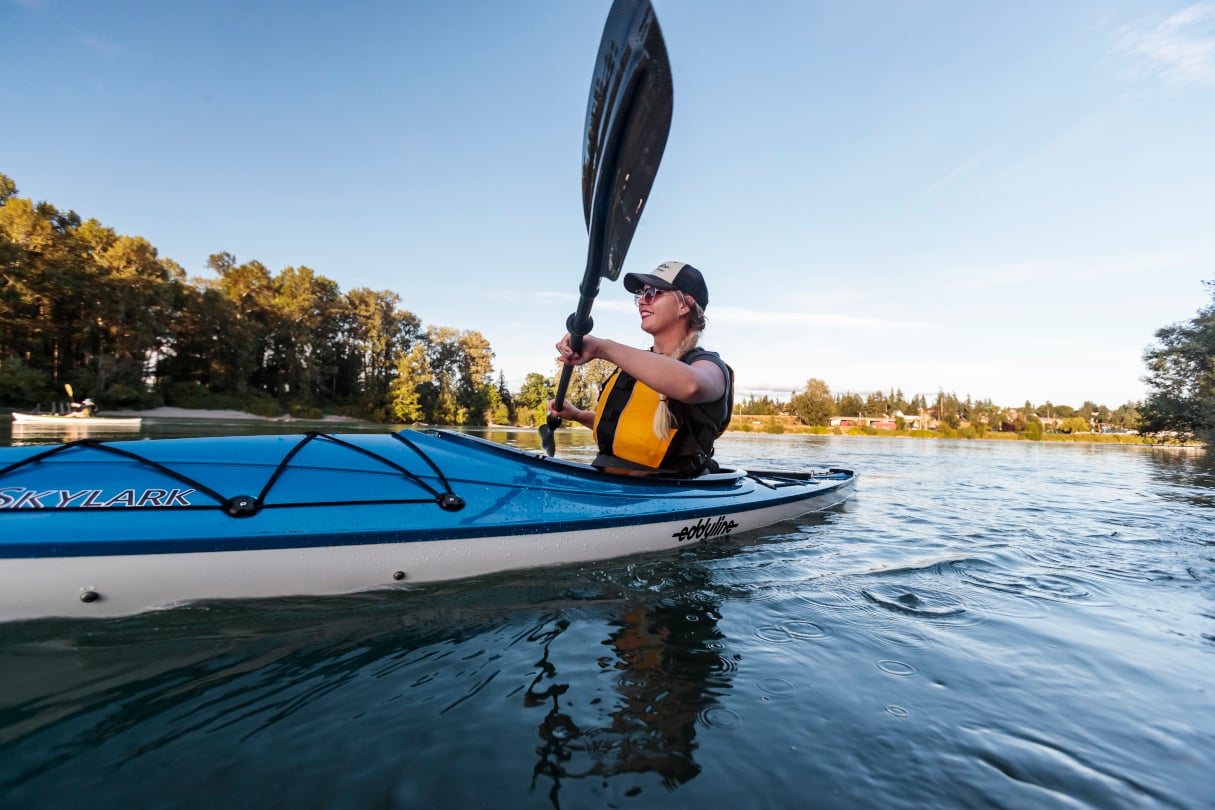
671	276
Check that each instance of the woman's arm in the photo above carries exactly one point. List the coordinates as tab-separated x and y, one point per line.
702	381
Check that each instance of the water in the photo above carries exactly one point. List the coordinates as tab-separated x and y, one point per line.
986	624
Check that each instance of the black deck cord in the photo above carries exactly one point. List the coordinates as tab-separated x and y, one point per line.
97	444
457	501
243	505
447	500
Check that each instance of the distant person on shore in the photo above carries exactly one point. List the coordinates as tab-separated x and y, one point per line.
84	409
662	409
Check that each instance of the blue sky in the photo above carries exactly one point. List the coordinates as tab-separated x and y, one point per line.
1000	200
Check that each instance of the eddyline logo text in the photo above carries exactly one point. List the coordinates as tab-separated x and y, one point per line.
705	528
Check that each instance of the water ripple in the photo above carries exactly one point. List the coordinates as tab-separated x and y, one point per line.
915	602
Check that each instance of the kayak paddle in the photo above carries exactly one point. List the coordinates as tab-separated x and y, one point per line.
628	116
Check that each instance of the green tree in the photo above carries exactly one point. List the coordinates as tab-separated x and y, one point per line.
7	188
475	390
21	385
249	343
876	404
759	406
531	403
1075	424
376	332
304	306
1125	417
405	392
586	382
1181	377
814	405
849	405
505	415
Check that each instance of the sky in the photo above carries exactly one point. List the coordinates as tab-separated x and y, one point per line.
998	200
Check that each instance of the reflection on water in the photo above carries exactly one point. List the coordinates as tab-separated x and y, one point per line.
260	680
24	433
1186	474
666	667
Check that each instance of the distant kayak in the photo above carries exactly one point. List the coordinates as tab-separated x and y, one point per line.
93	528
99	421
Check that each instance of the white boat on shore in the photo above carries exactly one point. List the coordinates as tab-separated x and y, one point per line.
80	421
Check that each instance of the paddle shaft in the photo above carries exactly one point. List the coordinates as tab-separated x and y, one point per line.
628	118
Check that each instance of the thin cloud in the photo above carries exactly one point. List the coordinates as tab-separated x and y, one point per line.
103	47
733	316
1076	269
1180	49
737	316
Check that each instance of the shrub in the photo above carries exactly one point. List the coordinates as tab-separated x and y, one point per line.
22	385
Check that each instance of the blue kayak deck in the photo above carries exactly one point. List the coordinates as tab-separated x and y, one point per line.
183	495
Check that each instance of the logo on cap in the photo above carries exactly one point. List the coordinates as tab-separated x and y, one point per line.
667	271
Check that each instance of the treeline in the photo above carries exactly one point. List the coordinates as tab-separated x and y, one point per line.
816	405
105	313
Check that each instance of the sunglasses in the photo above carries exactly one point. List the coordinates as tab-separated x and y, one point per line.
647	295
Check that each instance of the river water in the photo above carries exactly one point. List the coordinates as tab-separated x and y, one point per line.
985	624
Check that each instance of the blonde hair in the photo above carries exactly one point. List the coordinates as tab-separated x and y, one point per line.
664	420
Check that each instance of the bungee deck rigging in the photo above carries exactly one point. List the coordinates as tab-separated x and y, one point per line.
243	506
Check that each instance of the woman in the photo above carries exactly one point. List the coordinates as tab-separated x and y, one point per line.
662	409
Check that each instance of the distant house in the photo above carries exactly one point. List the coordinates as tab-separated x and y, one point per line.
883	422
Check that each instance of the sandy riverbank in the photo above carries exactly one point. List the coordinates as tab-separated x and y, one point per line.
202	413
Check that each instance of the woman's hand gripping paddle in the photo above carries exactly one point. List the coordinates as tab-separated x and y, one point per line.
628	117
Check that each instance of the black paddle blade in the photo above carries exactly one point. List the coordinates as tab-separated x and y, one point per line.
548	439
628	117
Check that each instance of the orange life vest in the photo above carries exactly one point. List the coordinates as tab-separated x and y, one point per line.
624	425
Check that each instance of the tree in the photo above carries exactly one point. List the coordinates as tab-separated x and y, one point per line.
20	385
531	401
405	393
1075	424
504	414
376	333
1181	376
876	404
763	406
814	405
587	381
849	405
303	306
248	345
475	391
7	188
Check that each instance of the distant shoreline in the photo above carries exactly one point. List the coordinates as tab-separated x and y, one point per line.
166	412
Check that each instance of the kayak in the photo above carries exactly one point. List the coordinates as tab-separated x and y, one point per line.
77	421
93	528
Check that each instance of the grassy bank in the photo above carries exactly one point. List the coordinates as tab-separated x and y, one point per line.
790	425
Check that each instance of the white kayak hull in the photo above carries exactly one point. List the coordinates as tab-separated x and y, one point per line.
128	584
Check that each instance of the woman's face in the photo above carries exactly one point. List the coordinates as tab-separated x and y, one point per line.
660	309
